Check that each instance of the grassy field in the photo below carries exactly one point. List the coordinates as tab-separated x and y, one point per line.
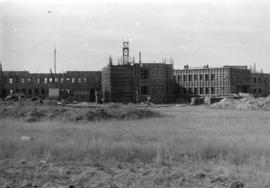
233	144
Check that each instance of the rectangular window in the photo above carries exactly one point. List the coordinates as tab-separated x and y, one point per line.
201	77
29	80
80	80
67	79
24	90
206	90
73	80
144	90
179	78
189	90
11	91
10	80
23	81
84	80
144	74
55	79
260	91
38	80
36	91
260	80
50	79
45	80
184	78
62	80
189	77
212	77
206	77
212	90
30	91
195	77
201	90
42	91
195	90
254	80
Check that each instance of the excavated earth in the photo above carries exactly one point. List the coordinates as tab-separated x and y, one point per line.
22	174
35	112
246	103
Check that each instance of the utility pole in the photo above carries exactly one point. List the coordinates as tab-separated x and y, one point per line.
54	59
55	18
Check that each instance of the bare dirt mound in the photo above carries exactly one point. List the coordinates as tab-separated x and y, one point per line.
36	113
246	103
82	174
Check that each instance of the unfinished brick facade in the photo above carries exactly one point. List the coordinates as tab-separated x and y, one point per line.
260	84
135	82
78	85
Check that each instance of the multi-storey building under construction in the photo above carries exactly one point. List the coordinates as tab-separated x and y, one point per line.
135	82
130	81
77	85
219	82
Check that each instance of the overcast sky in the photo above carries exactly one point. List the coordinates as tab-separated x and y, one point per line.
214	32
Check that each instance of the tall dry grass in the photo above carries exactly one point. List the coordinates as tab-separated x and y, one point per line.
194	134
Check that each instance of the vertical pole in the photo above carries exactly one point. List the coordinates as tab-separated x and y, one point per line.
55	60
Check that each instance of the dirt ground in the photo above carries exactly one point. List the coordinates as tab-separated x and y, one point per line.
82	174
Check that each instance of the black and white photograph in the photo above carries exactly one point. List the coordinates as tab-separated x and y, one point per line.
134	94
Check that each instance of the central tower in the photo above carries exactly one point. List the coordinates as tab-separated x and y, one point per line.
125	52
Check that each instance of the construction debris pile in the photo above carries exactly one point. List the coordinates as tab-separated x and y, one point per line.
246	103
30	112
